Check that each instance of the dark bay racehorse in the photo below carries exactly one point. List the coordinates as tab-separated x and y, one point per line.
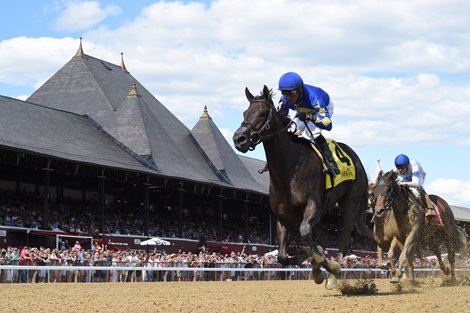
398	214
297	192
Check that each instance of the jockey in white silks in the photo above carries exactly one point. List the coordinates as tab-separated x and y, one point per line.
411	174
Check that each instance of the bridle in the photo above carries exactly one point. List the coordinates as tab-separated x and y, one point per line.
381	190
257	136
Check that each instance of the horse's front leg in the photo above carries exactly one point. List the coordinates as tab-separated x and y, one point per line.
305	229
282	238
380	257
391	255
406	255
311	217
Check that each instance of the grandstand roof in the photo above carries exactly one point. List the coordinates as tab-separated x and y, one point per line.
133	117
221	155
30	127
460	213
253	165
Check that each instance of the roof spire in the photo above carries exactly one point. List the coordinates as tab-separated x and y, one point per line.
123	66
80	52
205	115
133	91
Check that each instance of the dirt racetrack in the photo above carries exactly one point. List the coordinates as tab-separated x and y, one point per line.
226	297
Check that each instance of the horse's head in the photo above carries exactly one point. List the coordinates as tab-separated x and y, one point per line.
384	191
260	120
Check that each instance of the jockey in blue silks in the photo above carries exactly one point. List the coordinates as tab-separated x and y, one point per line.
314	110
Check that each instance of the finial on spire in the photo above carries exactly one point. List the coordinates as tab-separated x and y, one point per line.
133	91
80	52
123	66
377	172
205	114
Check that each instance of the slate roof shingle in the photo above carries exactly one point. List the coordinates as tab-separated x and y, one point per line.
129	113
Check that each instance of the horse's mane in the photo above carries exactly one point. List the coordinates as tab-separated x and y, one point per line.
271	94
390	175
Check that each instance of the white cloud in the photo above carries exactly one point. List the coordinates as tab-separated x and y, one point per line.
194	53
455	192
27	60
79	16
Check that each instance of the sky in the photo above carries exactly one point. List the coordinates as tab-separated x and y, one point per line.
398	72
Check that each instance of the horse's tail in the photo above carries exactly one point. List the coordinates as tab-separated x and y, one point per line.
360	223
461	242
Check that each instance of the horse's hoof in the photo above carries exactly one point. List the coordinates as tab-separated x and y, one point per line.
446	271
331	282
318	276
395	279
334	266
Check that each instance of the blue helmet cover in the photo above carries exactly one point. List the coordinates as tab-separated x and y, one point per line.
402	160
290	81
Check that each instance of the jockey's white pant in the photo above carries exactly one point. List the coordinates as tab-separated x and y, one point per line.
301	129
426	199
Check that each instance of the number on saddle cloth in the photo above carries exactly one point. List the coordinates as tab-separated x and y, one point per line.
344	162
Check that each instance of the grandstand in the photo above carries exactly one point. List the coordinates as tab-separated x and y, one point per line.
92	153
92	133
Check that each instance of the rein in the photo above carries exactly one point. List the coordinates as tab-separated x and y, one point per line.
256	136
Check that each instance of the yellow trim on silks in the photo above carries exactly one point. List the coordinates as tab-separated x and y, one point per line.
348	172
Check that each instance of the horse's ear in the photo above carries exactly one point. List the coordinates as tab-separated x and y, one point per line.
248	94
379	174
266	92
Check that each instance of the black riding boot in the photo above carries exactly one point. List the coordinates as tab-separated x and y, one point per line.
331	165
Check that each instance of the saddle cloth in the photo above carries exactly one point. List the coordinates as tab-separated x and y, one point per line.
436	219
344	162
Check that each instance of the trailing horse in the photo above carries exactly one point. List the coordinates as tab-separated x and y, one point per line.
297	193
399	215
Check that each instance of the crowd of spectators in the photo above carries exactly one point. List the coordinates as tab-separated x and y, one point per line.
74	216
79	217
101	256
150	265
25	210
